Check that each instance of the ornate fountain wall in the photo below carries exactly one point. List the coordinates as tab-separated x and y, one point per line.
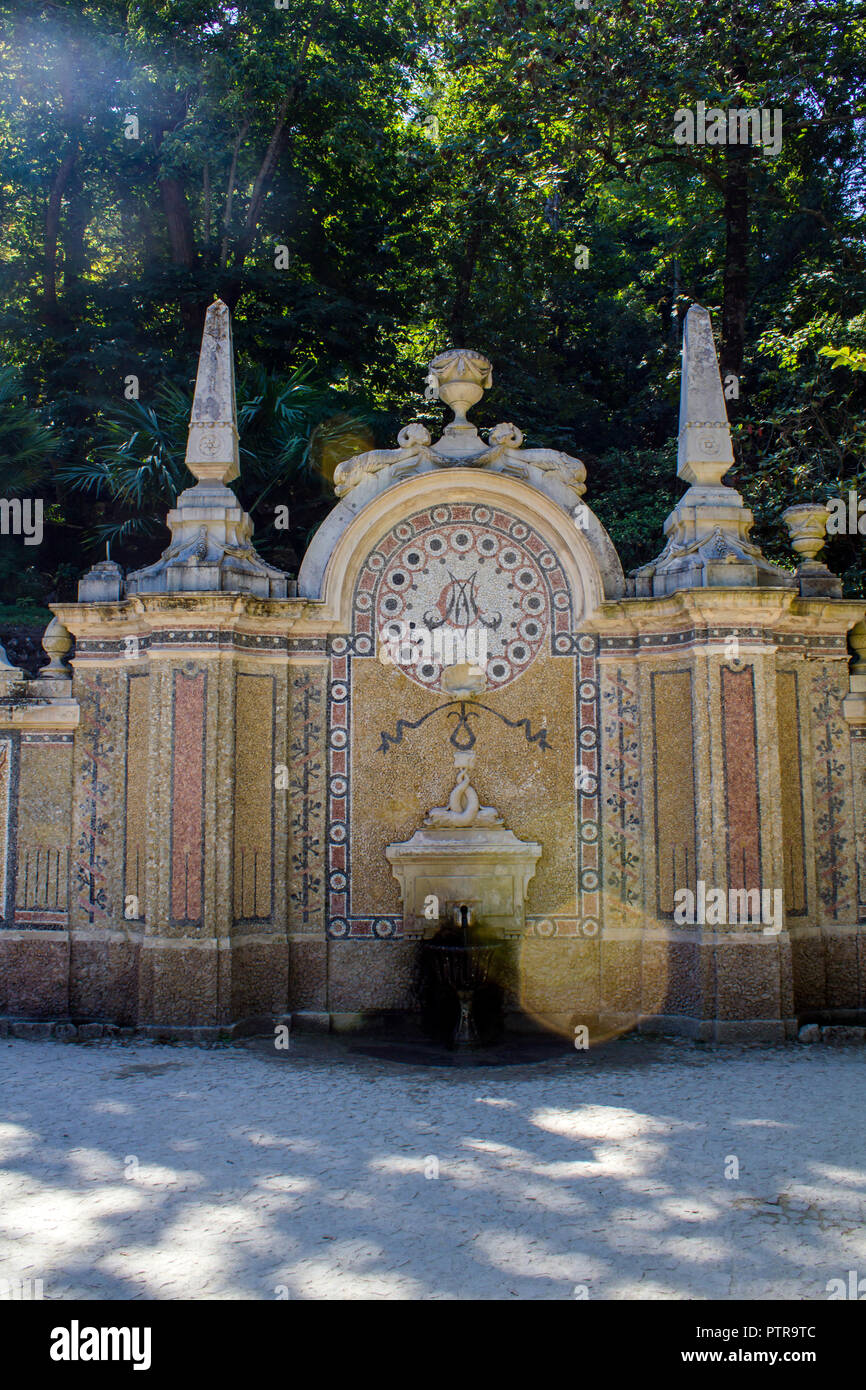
194	820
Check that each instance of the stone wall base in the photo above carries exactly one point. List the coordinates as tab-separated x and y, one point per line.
380	1021
721	989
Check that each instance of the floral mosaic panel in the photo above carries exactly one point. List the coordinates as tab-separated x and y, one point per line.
97	766
831	799
621	734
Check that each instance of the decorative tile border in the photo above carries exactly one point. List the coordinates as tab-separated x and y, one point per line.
93	796
588	792
307	645
5	802
340	923
547	927
217	639
818	643
307	797
564	642
366	928
830	792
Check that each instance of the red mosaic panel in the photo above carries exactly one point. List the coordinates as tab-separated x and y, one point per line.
739	741
187	797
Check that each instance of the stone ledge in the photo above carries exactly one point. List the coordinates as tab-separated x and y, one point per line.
310	1021
835	1034
721	1030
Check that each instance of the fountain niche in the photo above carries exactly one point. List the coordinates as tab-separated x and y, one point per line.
463	877
460	984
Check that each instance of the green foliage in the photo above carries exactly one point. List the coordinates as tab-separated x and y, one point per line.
27	445
293	434
310	128
846	357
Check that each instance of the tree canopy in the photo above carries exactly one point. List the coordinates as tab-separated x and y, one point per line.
368	184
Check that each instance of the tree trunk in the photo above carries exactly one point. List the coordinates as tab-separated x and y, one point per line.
261	186
736	276
182	242
178	221
52	226
457	324
674	324
230	193
74	229
206	207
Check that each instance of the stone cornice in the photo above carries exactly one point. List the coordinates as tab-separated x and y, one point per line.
56	716
771	612
144	615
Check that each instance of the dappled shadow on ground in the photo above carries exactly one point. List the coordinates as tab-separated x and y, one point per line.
639	1169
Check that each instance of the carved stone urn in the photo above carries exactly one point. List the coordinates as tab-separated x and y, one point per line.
459	377
807	526
56	641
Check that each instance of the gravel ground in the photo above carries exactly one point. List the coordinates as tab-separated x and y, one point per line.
640	1169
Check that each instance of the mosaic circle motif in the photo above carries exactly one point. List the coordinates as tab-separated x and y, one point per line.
464	591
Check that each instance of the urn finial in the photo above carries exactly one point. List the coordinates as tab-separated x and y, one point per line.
459	377
56	641
807	525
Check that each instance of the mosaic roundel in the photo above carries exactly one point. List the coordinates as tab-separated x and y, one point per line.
463	579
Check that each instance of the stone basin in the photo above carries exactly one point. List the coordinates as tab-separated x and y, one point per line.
462	1001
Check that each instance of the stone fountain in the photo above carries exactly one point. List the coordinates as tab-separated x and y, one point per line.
463	877
463	855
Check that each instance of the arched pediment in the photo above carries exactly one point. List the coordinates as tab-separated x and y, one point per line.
356	526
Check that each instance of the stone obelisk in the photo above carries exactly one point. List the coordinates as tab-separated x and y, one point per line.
708	531
212	446
211	549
